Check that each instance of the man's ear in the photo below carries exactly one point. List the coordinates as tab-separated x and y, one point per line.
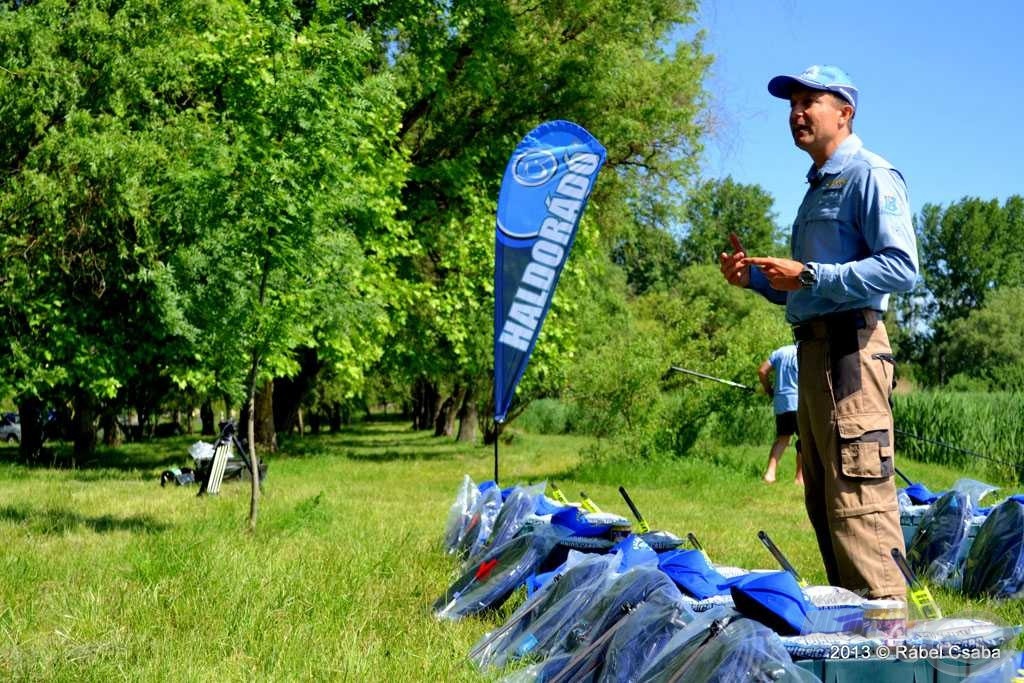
848	112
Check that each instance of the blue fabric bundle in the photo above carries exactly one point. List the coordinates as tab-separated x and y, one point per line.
692	573
776	600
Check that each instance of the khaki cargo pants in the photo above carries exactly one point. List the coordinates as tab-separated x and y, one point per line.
846	431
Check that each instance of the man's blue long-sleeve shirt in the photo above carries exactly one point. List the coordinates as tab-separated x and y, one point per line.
854	227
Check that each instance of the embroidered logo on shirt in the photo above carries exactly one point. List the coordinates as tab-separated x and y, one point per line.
890	205
836	184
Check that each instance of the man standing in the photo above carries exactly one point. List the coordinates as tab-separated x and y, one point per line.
782	362
852	245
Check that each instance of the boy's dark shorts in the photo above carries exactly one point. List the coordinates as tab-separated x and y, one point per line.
785	423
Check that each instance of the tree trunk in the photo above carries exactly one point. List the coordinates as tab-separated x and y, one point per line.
299	424
254	493
449	412
228	410
112	434
85	426
266	435
441	424
335	418
142	428
314	423
427	402
30	411
460	397
290	393
468	419
207	417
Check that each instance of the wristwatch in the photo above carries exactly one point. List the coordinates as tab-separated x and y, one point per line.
808	276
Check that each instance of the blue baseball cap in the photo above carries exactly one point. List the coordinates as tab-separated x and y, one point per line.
824	77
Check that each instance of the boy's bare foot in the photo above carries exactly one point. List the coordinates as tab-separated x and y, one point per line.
768	480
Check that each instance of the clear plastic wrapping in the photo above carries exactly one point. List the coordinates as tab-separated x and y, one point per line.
936	545
995	564
539	614
487	584
517	507
739	650
460	513
481	520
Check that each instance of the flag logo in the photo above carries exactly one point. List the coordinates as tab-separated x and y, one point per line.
534	168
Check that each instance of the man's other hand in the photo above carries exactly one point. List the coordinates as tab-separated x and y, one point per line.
735	271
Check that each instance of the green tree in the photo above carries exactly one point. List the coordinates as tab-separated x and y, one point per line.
192	193
988	345
277	264
968	250
716	208
91	95
651	257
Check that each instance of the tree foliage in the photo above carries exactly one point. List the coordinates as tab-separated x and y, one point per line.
621	384
478	76
987	346
969	251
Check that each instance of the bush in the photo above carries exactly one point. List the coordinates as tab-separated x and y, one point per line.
545	416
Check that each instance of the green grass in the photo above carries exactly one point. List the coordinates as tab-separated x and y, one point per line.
105	575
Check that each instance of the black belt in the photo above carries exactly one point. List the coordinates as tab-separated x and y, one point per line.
834	324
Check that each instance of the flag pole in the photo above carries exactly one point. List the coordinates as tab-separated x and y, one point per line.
495	452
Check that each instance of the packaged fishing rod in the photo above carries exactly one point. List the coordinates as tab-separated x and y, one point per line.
641	638
995	563
515	510
563	595
659	541
487	584
481	521
935	552
920	597
578	653
639	584
460	513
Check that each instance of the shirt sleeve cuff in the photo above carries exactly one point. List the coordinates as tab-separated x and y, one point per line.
758	282
826	275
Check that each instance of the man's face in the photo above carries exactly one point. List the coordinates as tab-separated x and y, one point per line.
816	119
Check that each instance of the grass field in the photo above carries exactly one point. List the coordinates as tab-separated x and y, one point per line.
106	576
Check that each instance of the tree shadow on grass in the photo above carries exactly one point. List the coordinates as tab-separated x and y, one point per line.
393	443
137	459
60	521
371	431
393	456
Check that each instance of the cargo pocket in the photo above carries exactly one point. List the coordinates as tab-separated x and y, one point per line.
865	447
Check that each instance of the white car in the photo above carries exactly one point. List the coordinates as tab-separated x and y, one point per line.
10	428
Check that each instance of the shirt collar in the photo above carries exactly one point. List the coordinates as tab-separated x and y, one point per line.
835	164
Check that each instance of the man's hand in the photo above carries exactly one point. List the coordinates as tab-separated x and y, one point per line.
782	274
736	272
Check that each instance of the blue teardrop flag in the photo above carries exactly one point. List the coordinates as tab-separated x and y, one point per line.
545	188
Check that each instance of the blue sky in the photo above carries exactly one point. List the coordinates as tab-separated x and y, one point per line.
941	91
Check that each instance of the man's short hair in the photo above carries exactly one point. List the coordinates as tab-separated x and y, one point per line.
841	102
